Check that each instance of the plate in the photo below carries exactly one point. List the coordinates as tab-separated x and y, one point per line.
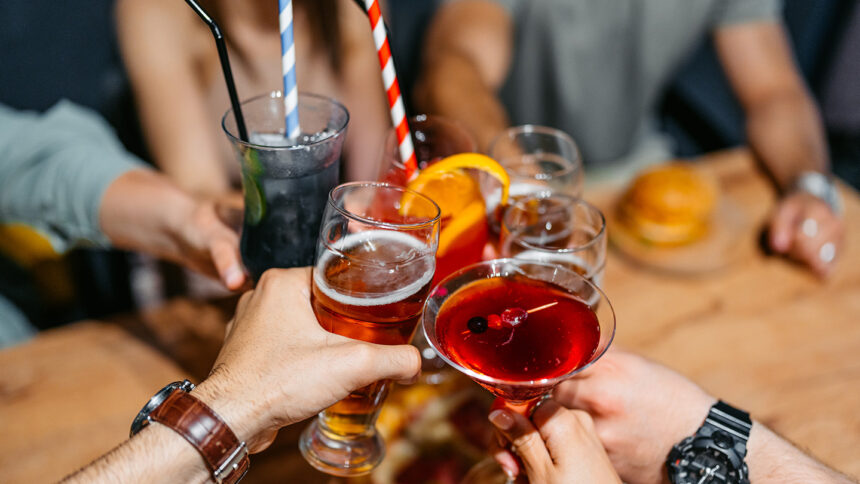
721	246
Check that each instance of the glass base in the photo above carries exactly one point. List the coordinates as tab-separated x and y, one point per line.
341	456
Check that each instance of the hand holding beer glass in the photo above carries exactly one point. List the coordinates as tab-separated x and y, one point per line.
375	261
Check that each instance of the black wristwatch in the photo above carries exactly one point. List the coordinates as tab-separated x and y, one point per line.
715	454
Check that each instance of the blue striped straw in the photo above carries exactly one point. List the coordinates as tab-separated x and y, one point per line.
288	62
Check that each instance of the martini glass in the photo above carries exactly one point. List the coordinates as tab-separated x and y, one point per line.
518	328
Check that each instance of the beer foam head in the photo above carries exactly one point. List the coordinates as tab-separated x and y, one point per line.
405	279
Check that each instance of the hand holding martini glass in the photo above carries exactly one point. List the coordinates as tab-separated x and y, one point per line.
518	328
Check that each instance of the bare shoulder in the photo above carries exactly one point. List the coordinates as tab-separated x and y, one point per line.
160	24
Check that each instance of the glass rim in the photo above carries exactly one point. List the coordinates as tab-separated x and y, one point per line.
518	383
576	201
275	95
423	117
512	132
377	223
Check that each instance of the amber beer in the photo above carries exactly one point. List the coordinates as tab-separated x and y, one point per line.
356	294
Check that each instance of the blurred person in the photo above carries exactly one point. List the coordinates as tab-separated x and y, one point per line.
65	175
179	88
596	70
640	410
277	366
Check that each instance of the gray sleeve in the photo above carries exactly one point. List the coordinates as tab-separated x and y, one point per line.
729	12
54	170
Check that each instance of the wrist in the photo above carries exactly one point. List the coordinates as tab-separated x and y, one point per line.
237	411
818	185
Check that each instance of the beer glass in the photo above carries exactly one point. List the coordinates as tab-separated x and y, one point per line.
374	263
285	182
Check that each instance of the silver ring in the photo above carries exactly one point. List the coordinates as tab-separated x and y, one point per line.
827	252
809	227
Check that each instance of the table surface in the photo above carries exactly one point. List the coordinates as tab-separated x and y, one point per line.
762	333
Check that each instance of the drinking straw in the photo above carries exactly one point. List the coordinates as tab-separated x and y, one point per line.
288	64
392	87
225	66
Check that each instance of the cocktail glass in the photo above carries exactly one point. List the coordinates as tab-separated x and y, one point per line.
458	195
538	159
374	264
518	327
557	229
286	182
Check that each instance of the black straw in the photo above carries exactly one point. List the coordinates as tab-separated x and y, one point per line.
225	66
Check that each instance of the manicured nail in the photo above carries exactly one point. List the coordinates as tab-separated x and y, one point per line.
501	419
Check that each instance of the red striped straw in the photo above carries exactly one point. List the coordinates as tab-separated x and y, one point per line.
392	88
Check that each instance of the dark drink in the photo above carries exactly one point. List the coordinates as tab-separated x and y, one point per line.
286	181
486	326
283	207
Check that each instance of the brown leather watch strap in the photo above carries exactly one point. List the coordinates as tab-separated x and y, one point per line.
225	456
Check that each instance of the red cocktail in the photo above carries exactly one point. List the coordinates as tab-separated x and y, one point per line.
518	327
454	186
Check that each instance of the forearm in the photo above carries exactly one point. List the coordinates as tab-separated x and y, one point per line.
773	460
159	454
142	210
786	133
156	454
452	87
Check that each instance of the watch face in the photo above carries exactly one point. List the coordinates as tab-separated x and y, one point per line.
693	464
710	466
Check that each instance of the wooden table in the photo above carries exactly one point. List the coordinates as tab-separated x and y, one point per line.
763	333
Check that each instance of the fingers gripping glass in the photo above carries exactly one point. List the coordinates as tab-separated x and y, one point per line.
375	260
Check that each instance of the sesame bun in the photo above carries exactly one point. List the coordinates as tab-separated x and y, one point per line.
669	204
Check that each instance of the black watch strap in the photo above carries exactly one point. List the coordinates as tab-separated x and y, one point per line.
730	419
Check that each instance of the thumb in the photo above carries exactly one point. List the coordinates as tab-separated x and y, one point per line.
225	257
525	441
782	225
401	362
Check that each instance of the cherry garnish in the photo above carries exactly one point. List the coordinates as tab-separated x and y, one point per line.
514	316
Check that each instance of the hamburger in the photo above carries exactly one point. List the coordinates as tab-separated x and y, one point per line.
669	205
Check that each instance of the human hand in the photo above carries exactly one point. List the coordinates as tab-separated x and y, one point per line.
279	366
640	410
561	446
806	229
208	243
143	210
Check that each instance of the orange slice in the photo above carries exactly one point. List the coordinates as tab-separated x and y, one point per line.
457	163
460	226
447	183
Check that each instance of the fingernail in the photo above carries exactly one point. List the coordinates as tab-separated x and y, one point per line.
234	276
501	419
508	464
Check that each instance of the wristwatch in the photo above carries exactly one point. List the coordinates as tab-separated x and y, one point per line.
820	186
715	454
174	407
